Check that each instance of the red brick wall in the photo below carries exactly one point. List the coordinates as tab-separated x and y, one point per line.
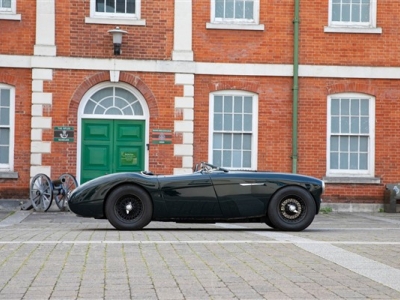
159	91
274	118
275	124
273	45
18	37
76	38
68	87
353	49
312	134
21	80
275	127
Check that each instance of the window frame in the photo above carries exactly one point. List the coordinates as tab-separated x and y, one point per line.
370	171
254	132
95	103
11	10
10	166
238	24
354	27
10	13
115	18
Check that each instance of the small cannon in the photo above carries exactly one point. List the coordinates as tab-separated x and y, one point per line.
43	190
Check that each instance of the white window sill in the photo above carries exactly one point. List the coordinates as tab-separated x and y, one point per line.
377	30
8	175
12	17
232	26
352	180
115	21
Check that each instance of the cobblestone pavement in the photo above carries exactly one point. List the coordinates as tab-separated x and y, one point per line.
56	255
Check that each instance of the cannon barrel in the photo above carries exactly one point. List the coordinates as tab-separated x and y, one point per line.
57	182
57	186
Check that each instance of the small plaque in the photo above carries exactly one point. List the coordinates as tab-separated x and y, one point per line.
63	134
162	136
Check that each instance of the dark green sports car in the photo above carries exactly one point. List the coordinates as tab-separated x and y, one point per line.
208	195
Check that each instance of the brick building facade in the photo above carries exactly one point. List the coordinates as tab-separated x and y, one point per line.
201	81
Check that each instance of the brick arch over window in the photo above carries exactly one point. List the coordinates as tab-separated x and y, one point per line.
143	89
124	77
350	87
8	79
234	85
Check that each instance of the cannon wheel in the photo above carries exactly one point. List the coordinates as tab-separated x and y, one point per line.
41	192
68	183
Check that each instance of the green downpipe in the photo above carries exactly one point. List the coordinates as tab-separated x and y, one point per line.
295	83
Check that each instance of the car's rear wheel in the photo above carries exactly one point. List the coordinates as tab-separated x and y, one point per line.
129	208
291	209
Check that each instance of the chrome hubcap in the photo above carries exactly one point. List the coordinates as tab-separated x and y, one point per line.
291	208
128	208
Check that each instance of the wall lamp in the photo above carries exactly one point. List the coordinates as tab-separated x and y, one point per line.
117	34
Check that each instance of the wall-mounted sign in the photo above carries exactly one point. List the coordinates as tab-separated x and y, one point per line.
161	136
63	134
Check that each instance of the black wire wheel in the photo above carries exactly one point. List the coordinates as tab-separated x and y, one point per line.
129	208
41	192
291	209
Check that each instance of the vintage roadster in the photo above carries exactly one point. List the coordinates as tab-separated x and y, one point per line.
210	194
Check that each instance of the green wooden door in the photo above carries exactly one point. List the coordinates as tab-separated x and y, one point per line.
110	146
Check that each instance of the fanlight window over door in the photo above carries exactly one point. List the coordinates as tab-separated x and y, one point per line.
113	101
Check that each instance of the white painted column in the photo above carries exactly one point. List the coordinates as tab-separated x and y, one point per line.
184	104
39	122
185	126
45	28
44	46
183	31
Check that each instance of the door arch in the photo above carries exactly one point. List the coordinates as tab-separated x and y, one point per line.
112	134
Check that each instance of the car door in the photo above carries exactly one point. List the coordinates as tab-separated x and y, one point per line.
242	194
190	196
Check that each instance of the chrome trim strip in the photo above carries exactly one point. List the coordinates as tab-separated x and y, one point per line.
256	183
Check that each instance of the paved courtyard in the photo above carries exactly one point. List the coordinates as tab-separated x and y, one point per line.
56	255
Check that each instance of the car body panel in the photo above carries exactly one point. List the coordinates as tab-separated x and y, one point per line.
247	194
88	199
239	196
189	196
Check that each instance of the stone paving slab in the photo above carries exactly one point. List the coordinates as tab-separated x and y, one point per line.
56	255
13	218
4	214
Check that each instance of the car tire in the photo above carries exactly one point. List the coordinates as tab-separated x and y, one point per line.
129	207
291	209
268	222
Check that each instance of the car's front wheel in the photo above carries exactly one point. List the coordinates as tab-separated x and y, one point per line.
129	208
269	223
292	209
